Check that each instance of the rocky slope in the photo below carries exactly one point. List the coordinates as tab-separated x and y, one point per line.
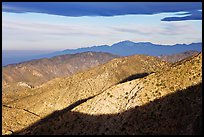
36	72
59	93
165	102
177	57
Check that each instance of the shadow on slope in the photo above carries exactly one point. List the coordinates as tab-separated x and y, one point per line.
135	76
176	113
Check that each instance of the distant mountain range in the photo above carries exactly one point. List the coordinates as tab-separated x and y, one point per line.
127	48
123	48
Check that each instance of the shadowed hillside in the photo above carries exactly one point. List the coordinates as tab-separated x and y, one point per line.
179	56
135	76
179	113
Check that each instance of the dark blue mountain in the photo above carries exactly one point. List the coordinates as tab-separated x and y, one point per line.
123	48
126	48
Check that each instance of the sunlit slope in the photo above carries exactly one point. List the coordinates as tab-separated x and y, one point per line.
36	72
61	92
166	102
141	91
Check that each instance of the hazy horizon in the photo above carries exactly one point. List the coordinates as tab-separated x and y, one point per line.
123	48
53	50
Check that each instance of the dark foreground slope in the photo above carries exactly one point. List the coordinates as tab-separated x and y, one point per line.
179	113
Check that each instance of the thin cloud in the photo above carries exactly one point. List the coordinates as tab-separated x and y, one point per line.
196	15
163	29
51	29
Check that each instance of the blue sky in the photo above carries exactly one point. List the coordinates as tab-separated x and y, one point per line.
67	25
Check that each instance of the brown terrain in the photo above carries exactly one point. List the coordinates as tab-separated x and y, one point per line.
179	56
59	93
128	95
36	72
18	80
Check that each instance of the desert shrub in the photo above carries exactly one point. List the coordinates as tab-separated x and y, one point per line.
171	88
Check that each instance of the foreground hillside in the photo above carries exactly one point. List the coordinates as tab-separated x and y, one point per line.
59	93
165	102
35	72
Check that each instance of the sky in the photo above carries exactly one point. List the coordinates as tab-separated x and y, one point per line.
71	25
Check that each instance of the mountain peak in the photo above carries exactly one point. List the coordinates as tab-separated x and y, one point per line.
144	43
125	42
